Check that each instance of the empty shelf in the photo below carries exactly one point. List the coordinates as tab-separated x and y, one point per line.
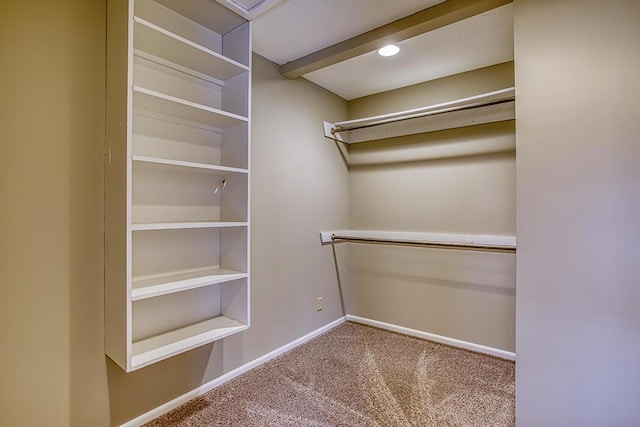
164	44
159	103
183	164
173	342
488	107
491	243
183	225
170	283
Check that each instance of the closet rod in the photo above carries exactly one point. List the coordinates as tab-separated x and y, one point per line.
462	107
441	245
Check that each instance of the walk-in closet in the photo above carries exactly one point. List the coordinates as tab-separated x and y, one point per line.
320	213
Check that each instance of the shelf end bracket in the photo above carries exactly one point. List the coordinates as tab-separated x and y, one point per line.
329	132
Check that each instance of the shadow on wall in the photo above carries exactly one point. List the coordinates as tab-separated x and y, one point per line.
473	141
82	56
435	281
135	393
339	280
484	272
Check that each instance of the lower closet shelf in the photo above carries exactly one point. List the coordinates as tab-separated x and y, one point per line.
170	343
163	285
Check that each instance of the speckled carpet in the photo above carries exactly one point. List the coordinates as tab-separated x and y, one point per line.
356	375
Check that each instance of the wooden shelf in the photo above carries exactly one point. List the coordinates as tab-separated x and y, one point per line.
159	103
185	225
183	164
167	284
164	44
150	350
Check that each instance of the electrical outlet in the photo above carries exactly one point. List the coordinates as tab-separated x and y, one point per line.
319	304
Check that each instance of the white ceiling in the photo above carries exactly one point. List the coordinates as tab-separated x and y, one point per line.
473	43
294	28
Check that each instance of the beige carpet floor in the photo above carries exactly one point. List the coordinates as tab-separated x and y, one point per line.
356	375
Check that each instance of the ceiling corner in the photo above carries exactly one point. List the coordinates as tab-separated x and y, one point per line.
249	9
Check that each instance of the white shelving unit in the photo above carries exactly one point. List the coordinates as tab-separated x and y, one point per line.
177	178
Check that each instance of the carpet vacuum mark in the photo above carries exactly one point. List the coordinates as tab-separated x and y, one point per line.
360	376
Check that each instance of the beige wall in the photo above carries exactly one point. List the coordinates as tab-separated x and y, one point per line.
454	181
52	138
578	161
298	188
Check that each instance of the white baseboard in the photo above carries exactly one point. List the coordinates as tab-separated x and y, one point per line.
433	337
163	409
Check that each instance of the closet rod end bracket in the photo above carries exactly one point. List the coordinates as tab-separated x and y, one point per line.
331	133
326	238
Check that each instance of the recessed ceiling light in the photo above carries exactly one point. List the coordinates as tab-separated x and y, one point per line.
389	50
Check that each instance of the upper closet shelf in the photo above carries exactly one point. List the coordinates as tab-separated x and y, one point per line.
489	107
164	44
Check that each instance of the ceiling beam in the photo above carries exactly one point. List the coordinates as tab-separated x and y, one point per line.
426	20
